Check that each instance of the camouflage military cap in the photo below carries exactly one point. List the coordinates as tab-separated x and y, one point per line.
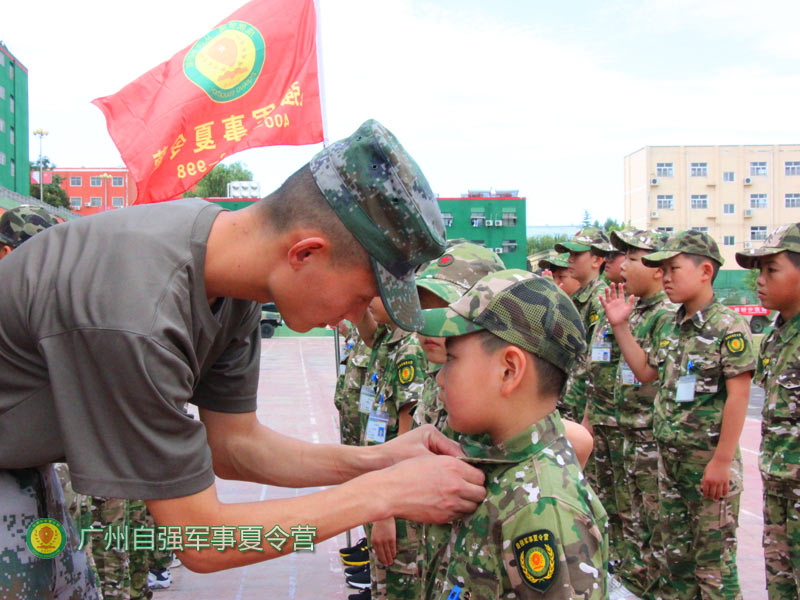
384	200
519	307
23	222
586	239
460	267
785	237
638	239
555	262
686	242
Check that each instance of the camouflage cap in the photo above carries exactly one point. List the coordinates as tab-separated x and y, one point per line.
519	307
560	261
638	239
586	239
460	267
384	200
23	222
689	241
785	237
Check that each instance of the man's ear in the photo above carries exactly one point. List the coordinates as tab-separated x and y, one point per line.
513	363
306	249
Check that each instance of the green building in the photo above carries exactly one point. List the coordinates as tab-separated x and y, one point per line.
495	219
14	162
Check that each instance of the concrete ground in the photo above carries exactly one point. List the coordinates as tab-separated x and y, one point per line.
295	398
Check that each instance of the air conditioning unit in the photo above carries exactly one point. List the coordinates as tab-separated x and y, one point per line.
654	181
489	223
748	180
747	244
654	214
499	250
748	212
498	222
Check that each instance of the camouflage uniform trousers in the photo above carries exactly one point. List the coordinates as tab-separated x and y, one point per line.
697	535
608	481
782	538
27	495
349	416
400	580
639	568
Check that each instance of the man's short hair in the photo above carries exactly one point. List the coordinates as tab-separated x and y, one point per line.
698	260
300	203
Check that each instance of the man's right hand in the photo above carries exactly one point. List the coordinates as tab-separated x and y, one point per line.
617	308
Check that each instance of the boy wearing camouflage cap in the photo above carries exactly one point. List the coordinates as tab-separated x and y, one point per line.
636	490
587	250
20	224
703	359
541	529
778	372
557	267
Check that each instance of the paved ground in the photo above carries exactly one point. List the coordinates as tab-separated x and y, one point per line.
295	397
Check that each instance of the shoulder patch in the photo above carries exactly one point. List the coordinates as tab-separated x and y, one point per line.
735	342
406	370
537	559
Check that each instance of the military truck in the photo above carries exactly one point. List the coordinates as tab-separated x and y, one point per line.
270	319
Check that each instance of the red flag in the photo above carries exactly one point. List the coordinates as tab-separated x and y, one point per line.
251	81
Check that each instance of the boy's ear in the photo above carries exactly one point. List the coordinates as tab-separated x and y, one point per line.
513	364
597	261
658	273
707	270
304	249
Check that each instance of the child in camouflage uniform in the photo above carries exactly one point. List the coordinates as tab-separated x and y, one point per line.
541	529
637	492
348	387
557	267
778	373
704	359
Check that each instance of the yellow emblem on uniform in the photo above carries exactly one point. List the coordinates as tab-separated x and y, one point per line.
536	558
593	317
664	343
46	538
406	371
735	342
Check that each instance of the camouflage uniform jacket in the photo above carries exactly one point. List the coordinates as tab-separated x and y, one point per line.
778	373
430	409
634	401
600	403
540	529
716	343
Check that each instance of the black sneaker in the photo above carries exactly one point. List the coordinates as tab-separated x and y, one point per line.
355	569
361	557
359	581
364	594
359	545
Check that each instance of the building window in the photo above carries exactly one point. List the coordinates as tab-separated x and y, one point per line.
702	229
509	246
758	201
758	233
728	176
11	104
2	93
477	219
75	202
95	182
75	181
728	240
792	167
509	218
2	59
792	200
117	201
479	242
663	169
699	169
758	169
13	167
2	158
699	200
11	136
729	209
665	202
669	230
448	219
11	72
117	181
2	125
94	201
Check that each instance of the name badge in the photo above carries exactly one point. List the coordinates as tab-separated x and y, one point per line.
601	352
628	377
342	369
366	398
377	424
685	391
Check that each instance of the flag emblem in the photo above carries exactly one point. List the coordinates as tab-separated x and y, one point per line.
226	62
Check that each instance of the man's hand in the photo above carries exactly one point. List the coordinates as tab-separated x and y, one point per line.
421	441
384	540
716	479
617	308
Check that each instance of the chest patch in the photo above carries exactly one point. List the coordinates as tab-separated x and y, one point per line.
735	342
406	370
593	317
537	559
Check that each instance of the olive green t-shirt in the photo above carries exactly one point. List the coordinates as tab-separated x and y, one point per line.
105	333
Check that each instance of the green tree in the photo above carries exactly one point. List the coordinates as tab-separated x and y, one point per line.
545	242
215	184
750	279
54	194
586	219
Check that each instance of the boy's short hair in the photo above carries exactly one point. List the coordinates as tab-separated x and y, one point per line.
521	308
689	242
461	266
699	260
785	238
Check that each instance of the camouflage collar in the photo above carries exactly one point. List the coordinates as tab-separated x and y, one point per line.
787	329
398	335
583	294
534	440
654	299
699	318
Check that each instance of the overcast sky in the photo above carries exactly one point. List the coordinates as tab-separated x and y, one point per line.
544	97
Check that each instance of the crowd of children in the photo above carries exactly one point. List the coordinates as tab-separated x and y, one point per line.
624	336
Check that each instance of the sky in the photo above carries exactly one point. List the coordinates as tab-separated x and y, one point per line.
539	96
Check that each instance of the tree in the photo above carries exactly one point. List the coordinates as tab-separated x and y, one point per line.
54	194
586	219
545	242
215	184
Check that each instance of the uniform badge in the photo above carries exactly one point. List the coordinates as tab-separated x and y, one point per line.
764	362
735	342
445	260
593	317
537	559
406	371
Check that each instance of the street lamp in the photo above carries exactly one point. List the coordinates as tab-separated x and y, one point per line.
105	177
41	133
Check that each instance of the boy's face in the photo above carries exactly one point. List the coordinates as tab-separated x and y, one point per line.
614	267
583	266
683	279
465	384
638	277
565	281
434	348
378	311
779	283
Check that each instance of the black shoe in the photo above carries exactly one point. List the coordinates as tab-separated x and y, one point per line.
356	569
359	581
361	557
364	594
359	545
